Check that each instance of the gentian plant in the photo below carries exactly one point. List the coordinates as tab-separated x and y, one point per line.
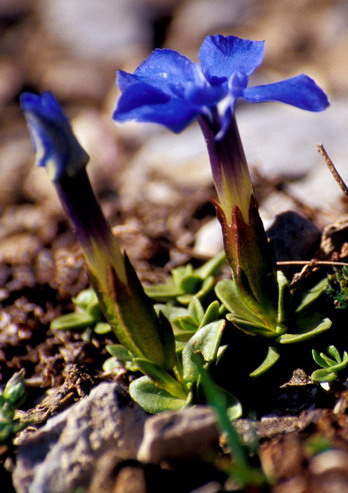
128	310
169	89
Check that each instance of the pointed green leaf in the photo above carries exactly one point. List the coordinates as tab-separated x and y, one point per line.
312	295
161	378
323	375
166	336
70	321
119	351
240	314
182	336
211	314
195	310
153	399
171	312
212	266
217	400
228	295
339	366
332	350
186	323
329	361
271	358
206	341
284	300
205	288
163	292
309	325
318	358
121	355
180	273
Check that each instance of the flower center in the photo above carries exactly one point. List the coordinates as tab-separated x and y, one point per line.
237	83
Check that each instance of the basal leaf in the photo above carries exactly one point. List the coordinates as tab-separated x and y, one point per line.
153	399
206	341
271	358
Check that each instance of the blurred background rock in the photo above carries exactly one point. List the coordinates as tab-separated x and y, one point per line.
73	48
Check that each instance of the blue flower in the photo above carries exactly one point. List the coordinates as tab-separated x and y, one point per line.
55	144
170	89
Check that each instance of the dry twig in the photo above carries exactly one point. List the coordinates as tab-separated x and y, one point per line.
333	169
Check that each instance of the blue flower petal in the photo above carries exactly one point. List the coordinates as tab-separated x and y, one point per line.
300	91
221	56
165	69
144	103
124	79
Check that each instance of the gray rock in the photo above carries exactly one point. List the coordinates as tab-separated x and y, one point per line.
185	434
213	17
94	29
293	236
80	447
328	460
181	161
209	239
335	238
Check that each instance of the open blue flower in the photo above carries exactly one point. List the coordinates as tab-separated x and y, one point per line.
170	89
55	144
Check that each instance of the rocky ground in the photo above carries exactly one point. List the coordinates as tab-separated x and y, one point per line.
155	188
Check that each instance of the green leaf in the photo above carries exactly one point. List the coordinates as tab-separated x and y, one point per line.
195	310
122	355
318	358
211	314
332	350
323	375
205	341
241	315
163	292
271	358
161	378
110	364
217	400
284	300
70	321
186	323
85	298
309	325
186	282
190	283
182	272
153	399
205	288
312	295
102	328
329	361
212	266
171	312
119	351
182	336
233	406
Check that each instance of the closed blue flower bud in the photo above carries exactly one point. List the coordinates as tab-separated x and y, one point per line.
55	144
